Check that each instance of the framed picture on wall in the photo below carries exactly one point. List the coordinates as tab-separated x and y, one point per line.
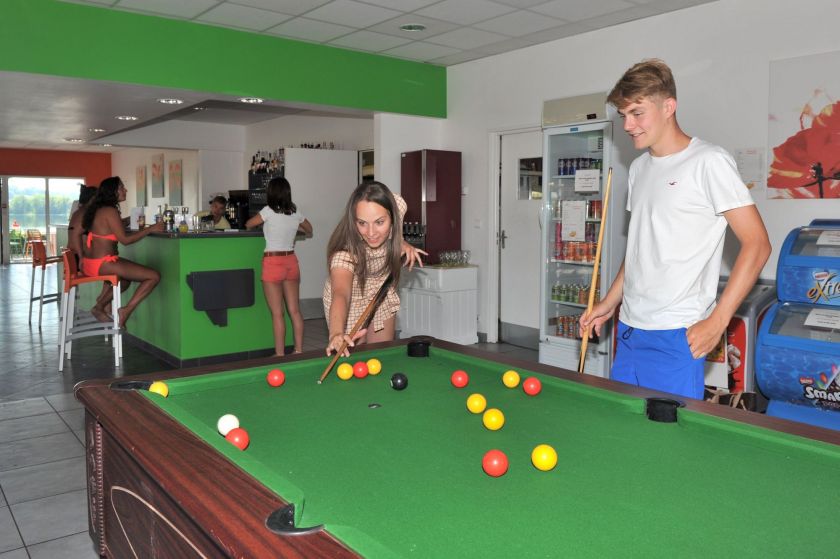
176	183
157	176
141	186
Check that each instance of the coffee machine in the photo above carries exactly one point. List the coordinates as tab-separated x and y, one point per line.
237	208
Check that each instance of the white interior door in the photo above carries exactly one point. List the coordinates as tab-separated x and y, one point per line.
519	237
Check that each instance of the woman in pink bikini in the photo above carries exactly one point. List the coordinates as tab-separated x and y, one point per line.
103	230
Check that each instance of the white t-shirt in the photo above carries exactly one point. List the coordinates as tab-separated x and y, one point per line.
676	233
280	229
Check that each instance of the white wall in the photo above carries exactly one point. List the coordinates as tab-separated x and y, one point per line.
321	181
125	162
219	171
395	134
720	53
348	133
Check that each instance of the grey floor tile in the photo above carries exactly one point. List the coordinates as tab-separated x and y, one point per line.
9	536
3	502
30	427
29	452
75	419
51	517
80	434
77	546
23	408
43	480
16	554
64	402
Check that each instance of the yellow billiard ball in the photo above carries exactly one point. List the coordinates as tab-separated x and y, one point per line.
511	379
493	419
476	403
345	371
159	387
374	366
543	457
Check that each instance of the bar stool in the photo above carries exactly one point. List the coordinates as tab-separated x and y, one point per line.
72	328
40	259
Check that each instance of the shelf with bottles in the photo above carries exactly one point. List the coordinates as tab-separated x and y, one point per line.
572	294
565	326
588	220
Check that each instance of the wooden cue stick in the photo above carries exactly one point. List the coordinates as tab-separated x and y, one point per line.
362	322
594	280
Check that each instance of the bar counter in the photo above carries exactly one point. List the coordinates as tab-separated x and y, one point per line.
167	323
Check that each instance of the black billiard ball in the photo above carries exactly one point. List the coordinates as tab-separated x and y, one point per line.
399	381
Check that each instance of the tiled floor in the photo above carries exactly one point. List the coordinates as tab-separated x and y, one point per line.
43	507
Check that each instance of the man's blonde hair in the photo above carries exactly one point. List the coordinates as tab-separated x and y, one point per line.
649	78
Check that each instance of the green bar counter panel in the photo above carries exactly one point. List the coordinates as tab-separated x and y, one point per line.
168	325
378	472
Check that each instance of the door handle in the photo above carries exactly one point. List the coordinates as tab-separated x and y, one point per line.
501	238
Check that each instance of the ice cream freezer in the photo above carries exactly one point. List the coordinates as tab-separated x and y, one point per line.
798	363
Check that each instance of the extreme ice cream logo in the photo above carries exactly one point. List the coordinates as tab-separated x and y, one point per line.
823	390
825	287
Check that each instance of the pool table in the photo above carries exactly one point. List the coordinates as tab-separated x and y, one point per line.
356	468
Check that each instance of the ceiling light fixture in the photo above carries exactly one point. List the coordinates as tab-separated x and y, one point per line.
107	145
97	130
199	108
413	27
171	101
74	140
251	100
126	117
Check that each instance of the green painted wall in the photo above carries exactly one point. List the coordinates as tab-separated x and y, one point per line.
64	39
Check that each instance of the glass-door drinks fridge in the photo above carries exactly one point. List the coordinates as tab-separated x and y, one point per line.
576	160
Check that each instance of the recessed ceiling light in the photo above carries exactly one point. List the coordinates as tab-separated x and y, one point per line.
107	145
251	100
74	140
126	117
413	27
171	101
199	108
96	130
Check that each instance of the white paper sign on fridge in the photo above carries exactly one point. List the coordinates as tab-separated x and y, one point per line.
574	220
587	180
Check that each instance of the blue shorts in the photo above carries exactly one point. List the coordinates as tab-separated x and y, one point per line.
658	359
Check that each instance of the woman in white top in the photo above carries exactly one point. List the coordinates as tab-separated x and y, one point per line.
280	270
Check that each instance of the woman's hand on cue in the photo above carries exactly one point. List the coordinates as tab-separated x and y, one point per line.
412	255
337	340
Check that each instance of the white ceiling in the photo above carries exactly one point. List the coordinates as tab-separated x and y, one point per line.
41	112
456	30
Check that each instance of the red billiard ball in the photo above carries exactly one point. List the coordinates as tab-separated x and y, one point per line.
495	463
460	379
532	386
238	437
360	369
276	377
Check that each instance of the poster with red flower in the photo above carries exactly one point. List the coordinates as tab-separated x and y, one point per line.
804	128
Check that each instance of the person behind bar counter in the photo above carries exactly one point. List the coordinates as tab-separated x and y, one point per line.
103	230
280	268
218	205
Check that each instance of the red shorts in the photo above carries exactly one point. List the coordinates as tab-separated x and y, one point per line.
280	268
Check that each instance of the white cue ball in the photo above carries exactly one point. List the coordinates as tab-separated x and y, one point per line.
227	423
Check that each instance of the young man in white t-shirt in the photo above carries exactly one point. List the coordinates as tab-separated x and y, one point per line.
682	194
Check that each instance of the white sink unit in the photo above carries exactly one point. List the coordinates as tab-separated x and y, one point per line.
441	302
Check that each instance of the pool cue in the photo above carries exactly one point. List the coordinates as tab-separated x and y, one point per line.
592	283
362	322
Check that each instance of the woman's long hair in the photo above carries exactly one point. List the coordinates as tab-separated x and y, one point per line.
107	196
278	196
346	236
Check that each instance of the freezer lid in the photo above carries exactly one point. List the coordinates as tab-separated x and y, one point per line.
807	322
817	241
